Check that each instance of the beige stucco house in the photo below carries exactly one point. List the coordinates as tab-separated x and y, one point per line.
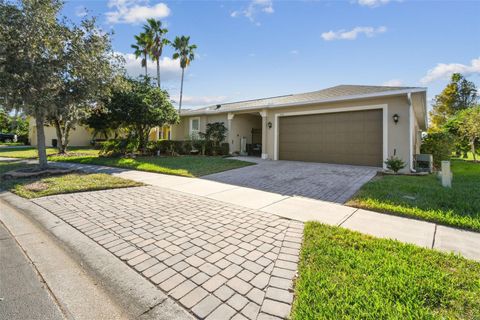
80	136
346	124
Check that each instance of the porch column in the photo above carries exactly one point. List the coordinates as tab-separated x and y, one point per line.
157	133
263	113
229	132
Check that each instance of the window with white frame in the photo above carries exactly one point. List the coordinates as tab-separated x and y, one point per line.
194	126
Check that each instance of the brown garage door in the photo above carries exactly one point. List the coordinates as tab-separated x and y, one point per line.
344	137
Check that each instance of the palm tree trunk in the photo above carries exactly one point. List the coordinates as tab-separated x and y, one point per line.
181	92
146	70
158	71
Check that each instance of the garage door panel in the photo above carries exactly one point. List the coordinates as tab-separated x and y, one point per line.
343	137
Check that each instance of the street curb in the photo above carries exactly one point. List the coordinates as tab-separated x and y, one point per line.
139	298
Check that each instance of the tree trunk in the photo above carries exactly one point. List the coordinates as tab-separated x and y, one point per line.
181	92
66	136
146	70
158	71
58	129
42	151
473	151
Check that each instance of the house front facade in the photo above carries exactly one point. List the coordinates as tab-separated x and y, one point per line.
347	124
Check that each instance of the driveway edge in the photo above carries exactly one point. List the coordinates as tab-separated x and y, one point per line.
139	298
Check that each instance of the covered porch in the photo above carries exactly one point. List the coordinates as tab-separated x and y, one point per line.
247	133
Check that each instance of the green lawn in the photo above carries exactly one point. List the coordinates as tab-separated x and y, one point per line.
423	197
30	152
347	275
187	166
74	182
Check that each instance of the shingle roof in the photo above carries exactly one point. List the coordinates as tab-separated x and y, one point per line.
337	92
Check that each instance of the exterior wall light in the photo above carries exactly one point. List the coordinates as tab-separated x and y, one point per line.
395	118
269	124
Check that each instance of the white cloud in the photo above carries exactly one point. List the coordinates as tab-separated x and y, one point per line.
253	8
445	70
135	11
169	68
352	34
198	101
393	83
372	3
80	11
295	52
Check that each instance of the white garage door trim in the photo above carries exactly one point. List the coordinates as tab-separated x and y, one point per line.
384	108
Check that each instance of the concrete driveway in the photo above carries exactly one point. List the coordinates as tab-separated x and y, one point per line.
321	181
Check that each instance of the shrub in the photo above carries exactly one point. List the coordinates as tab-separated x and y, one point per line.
112	148
118	147
223	149
440	145
395	164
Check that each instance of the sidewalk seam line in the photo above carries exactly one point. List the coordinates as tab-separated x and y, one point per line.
348	217
434	235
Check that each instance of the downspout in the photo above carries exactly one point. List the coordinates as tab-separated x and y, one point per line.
411	114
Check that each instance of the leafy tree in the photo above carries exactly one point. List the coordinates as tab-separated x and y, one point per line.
16	123
469	127
139	107
90	69
157	41
142	48
186	53
439	144
31	60
459	94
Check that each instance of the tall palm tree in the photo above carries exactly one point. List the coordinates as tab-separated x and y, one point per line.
142	48
154	29
186	53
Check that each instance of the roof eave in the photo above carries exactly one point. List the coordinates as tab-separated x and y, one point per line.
283	105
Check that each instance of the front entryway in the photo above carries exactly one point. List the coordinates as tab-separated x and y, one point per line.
321	181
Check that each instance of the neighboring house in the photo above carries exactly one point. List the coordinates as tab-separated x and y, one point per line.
346	124
83	135
80	136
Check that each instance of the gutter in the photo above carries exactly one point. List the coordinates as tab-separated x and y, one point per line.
303	103
410	127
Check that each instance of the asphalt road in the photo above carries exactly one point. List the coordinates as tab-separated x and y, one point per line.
23	295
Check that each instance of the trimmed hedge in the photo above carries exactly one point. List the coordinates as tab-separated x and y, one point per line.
186	147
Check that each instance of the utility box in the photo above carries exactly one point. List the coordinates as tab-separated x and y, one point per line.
424	163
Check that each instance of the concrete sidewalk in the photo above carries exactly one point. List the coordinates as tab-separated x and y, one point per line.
421	233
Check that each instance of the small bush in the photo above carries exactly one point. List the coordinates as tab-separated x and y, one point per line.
395	164
440	145
112	148
118	147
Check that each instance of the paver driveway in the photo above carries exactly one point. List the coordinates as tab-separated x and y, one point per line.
321	181
218	260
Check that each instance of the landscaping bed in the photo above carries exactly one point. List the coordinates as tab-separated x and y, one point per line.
424	197
59	184
347	275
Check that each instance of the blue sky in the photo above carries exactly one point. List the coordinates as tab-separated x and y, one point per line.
259	48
